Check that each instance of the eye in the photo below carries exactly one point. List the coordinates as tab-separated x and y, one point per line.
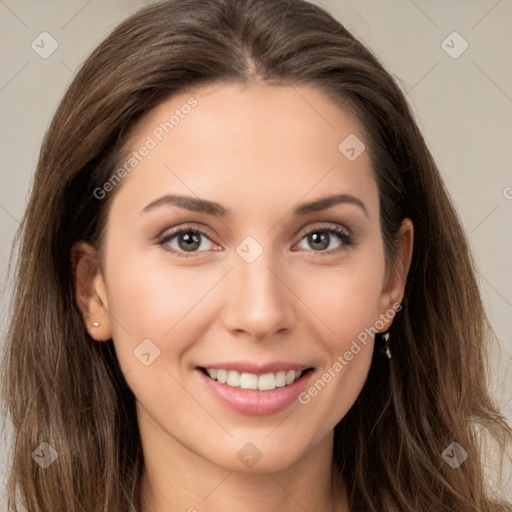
187	240
320	239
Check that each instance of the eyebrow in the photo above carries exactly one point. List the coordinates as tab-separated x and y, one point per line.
212	208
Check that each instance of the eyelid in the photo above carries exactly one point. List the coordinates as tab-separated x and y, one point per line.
343	233
170	233
323	225
192	226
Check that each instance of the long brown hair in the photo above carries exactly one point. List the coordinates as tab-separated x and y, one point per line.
62	388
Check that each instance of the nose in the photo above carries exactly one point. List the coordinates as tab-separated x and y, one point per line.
259	301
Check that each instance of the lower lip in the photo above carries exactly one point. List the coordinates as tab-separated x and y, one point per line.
253	402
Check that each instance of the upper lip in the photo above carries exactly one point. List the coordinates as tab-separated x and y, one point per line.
258	369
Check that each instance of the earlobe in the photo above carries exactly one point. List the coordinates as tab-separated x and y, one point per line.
90	291
396	274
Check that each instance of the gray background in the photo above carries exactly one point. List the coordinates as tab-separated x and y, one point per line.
463	106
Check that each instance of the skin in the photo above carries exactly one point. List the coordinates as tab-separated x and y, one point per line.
258	150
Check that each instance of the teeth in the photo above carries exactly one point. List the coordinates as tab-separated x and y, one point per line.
267	382
233	379
264	382
280	379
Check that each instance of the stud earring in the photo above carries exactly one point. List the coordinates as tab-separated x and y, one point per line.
385	348
95	324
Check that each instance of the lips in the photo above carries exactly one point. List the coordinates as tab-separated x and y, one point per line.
258	369
255	401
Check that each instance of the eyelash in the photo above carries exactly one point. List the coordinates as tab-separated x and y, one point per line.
333	230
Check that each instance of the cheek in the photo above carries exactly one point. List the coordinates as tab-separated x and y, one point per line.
150	299
151	302
345	298
346	301
348	311
151	306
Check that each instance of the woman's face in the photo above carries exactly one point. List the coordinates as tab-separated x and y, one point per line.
256	282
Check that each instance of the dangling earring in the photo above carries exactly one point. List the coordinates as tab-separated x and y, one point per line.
95	324
385	348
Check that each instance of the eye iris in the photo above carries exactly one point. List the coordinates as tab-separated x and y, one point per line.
323	239
190	238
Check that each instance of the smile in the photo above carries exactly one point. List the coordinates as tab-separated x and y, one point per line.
254	394
264	382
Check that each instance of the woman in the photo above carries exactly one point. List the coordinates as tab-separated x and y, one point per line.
242	283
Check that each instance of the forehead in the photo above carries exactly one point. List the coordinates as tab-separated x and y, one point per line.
263	142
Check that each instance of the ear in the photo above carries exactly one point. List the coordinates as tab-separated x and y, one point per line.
396	274
90	291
